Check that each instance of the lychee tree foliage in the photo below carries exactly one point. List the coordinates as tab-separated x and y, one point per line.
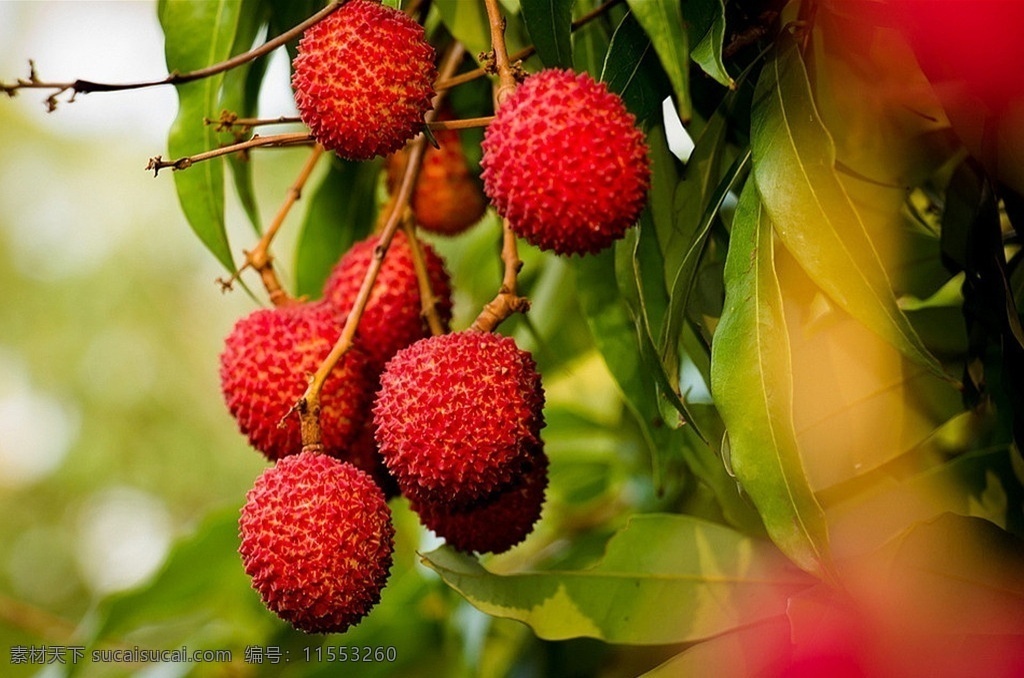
782	378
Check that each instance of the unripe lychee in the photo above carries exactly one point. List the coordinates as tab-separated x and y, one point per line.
499	521
363	79
447	198
457	416
264	367
316	538
565	164
393	317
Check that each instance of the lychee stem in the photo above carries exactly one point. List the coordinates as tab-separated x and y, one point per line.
506	77
508	301
260	259
524	53
157	163
428	301
308	405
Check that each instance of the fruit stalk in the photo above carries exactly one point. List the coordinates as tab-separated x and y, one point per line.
506	79
428	301
259	258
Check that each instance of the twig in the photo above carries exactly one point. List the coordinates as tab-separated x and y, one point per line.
298	138
428	301
523	54
228	120
308	406
508	300
86	86
506	76
465	123
260	259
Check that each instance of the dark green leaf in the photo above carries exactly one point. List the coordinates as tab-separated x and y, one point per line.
549	24
341	211
706	19
590	44
701	580
662	20
631	69
752	381
196	35
814	215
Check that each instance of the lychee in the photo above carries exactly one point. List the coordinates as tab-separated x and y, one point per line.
264	368
457	416
316	538
447	199
393	316
363	79
499	521
565	164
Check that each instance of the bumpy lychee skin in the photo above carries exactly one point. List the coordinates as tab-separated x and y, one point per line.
457	416
264	367
498	522
565	164
316	538
447	199
393	317
363	79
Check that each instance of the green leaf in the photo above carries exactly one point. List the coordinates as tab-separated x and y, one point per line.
589	45
196	35
745	652
662	20
795	169
752	381
706	19
701	580
340	213
240	95
549	23
615	335
631	69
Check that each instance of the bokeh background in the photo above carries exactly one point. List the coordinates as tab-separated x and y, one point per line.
113	439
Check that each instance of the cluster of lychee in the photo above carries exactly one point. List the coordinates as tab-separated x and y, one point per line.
449	421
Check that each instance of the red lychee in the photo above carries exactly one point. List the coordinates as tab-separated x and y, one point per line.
363	79
393	317
447	198
264	367
316	538
565	164
498	522
457	416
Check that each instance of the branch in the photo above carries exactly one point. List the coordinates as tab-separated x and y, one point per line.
308	406
229	120
523	54
277	140
86	86
508	300
465	123
259	259
428	301
506	76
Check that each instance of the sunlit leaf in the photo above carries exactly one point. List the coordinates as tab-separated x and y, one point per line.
662	20
752	381
548	23
198	34
701	580
340	212
741	653
795	168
